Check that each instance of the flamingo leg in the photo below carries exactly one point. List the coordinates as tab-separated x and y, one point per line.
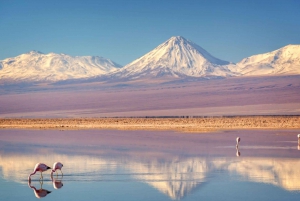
62	173
41	176
41	183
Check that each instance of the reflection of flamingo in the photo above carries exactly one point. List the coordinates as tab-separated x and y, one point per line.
57	184
238	139
39	167
40	193
238	153
57	166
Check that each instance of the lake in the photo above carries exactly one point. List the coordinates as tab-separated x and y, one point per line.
151	165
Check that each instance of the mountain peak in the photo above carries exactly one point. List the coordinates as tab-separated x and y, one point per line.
176	57
32	52
177	38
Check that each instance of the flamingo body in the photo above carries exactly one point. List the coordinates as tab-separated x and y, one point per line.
39	167
238	139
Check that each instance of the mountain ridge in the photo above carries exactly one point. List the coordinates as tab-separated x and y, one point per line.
285	60
39	67
176	58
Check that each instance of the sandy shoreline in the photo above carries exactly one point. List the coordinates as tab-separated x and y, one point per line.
176	124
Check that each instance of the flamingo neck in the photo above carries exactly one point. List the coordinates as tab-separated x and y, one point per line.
32	187
32	173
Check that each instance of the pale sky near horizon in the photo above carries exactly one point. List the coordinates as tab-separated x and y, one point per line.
125	30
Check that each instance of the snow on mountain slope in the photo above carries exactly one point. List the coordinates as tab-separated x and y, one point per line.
283	61
36	66
177	57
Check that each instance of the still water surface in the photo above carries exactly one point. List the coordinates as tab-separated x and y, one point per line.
144	165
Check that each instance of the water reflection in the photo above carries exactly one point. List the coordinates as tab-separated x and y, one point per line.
39	193
238	153
57	183
175	177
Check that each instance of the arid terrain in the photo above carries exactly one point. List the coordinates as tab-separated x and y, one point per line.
216	97
177	124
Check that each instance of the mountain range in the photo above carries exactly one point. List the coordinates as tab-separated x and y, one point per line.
35	66
174	59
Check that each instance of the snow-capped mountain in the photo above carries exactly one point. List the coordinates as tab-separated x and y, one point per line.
177	57
36	66
283	61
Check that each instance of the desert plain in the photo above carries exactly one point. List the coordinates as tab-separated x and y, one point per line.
202	105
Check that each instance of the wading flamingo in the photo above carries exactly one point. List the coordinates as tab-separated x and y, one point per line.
57	166
238	139
39	193
39	167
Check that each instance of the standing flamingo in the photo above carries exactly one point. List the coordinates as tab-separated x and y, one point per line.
57	166
39	167
238	139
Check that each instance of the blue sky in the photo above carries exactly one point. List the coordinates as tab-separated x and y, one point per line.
125	30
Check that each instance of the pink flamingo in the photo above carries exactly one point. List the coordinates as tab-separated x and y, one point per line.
238	139
57	166
39	167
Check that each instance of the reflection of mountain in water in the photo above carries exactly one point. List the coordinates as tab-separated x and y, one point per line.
18	167
174	177
281	172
